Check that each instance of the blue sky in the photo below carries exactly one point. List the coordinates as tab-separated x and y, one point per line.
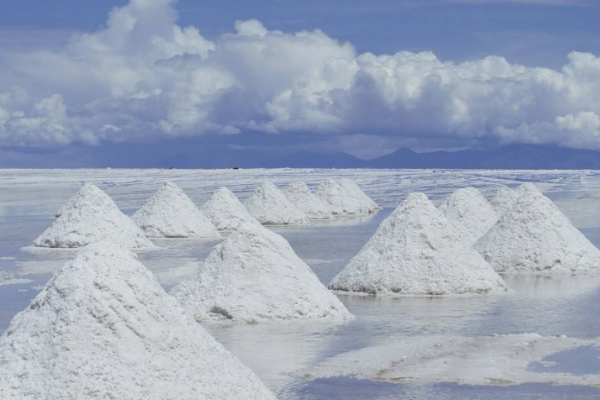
363	77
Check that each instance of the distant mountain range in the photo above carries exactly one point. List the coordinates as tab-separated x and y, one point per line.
187	155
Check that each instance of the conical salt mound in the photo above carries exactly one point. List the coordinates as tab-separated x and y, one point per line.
470	213
367	204
255	276
503	200
269	206
535	236
170	213
226	212
92	216
339	200
104	328
415	251
300	195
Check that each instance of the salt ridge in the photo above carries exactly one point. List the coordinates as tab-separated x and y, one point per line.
504	199
300	196
226	212
269	206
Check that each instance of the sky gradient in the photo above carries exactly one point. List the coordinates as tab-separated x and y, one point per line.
364	77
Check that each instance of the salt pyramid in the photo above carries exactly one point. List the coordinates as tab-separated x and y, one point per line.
340	200
352	188
255	276
104	328
92	216
470	213
170	213
269	206
300	195
535	236
415	252
226	212
503	200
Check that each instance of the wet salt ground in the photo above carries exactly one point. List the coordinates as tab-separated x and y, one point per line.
547	306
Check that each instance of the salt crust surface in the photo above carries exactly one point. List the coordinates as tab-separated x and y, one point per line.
341	200
255	276
226	212
504	199
534	236
103	328
415	251
488	360
469	212
300	196
269	206
92	216
170	213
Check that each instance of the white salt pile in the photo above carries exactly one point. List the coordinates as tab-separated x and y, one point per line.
170	213
92	216
226	212
469	212
269	206
342	200
415	251
255	276
300	195
503	200
535	236
352	188
104	328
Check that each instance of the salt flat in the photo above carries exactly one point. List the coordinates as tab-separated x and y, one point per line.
547	306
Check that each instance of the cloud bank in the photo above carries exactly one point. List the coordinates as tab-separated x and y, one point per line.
142	77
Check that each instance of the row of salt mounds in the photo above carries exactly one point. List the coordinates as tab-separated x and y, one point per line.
91	216
344	198
170	213
255	276
300	195
415	252
504	199
269	206
535	236
470	213
226	212
104	328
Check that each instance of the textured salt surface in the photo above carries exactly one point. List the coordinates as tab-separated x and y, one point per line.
504	199
488	360
92	216
226	212
415	251
340	200
352	188
269	206
255	276
470	213
104	328
170	213
300	196
534	236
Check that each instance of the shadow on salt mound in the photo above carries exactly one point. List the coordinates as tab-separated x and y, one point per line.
269	206
226	212
300	196
144	345
255	276
534	236
92	217
416	251
170	213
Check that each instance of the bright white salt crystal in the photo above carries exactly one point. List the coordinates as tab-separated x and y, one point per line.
255	276
343	200
469	212
535	236
415	251
104	328
170	213
91	216
269	206
226	212
300	195
351	187
503	200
